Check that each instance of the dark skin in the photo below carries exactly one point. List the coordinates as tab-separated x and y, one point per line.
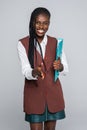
41	26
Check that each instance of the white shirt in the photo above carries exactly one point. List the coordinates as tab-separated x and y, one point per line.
25	64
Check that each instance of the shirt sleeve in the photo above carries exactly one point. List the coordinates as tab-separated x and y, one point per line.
25	64
64	62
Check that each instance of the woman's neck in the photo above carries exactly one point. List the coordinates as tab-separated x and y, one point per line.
40	39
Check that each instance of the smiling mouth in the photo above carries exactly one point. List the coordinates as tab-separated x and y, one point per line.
40	31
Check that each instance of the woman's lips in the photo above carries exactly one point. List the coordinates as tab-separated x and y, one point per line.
40	31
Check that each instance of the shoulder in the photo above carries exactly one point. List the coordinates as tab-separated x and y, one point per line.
51	38
24	40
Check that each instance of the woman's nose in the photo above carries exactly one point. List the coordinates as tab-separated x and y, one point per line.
41	26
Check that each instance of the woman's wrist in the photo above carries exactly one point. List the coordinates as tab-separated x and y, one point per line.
61	68
34	74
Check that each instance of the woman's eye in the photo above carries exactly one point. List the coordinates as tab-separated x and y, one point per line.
42	23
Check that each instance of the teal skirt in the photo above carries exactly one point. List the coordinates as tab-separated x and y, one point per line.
46	116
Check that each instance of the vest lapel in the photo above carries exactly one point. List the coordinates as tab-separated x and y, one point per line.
49	56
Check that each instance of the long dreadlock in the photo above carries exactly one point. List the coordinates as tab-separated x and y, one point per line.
32	40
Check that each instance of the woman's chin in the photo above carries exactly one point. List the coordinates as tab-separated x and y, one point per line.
40	35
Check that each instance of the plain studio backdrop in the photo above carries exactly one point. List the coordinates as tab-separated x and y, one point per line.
69	21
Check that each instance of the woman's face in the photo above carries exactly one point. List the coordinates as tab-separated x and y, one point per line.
41	25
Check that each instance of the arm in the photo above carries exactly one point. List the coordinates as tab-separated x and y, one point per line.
61	64
58	65
65	64
25	65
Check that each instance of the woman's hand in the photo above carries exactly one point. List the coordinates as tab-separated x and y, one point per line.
38	72
57	65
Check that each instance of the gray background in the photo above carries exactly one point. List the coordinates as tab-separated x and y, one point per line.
69	20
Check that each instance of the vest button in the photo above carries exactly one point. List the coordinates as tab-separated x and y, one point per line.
41	63
45	58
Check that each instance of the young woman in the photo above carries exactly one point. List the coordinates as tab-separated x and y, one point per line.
43	98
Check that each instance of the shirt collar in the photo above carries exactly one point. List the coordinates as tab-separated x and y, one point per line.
44	41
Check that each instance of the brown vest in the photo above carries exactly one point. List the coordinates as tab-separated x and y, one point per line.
39	93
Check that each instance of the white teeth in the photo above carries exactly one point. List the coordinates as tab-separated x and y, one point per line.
40	31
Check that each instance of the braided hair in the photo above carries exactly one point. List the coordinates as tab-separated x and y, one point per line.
32	40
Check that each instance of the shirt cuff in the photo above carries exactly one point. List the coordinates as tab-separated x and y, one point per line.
29	76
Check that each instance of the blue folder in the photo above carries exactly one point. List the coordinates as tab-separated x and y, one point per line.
58	55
